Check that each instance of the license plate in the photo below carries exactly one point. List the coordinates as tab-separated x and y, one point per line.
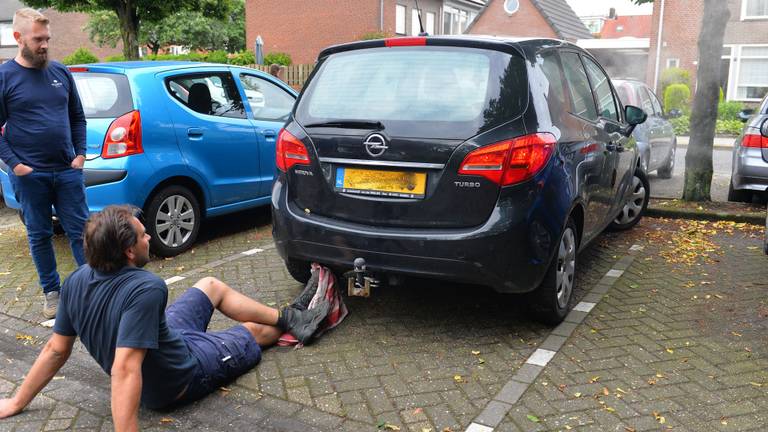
398	184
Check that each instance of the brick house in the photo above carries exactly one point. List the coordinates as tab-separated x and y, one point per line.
744	70
67	33
529	18
303	28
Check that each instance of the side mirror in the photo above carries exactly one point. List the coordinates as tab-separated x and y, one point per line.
674	113
745	114
634	117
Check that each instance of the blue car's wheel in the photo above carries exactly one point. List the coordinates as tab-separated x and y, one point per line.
173	220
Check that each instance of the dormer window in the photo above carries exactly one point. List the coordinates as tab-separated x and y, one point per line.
511	6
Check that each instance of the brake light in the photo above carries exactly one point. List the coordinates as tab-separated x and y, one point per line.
754	141
290	151
509	162
78	69
405	41
123	137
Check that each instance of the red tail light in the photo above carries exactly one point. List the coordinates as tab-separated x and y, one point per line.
405	41
510	162
754	140
78	69
290	151
123	137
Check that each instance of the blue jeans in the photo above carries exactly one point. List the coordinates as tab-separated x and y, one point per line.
38	192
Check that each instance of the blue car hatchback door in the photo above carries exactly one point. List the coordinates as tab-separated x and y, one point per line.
182	141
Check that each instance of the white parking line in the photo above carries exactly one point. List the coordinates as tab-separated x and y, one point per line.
174	279
474	427
614	273
584	307
252	251
636	248
540	357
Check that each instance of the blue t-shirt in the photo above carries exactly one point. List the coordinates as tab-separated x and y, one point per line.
43	117
127	309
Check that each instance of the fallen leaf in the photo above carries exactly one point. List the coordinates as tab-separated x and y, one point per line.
561	387
756	384
426	429
166	420
568	427
629	429
577	394
670	350
481	361
61	377
594	379
606	392
736	334
533	418
418	411
392	427
475	352
271	303
4	273
609	409
618	389
659	375
459	379
659	418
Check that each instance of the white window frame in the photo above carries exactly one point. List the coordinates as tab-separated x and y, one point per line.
429	26
400	23
7	29
745	17
673	63
739	59
415	29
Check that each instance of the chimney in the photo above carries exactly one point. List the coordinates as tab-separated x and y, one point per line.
612	13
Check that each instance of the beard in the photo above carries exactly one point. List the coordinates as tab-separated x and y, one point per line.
38	60
141	261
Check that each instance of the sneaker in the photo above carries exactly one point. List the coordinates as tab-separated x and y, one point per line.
302	301
303	323
51	304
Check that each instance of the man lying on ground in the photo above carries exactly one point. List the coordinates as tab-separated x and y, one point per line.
157	356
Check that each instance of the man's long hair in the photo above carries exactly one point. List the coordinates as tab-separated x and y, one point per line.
108	234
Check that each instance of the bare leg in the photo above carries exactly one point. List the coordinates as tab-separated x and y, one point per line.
235	305
265	335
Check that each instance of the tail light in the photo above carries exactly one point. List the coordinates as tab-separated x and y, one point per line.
123	137
290	151
405	41
755	141
509	162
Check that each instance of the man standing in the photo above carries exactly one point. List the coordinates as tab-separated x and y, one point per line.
156	356
44	147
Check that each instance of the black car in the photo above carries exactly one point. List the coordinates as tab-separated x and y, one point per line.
481	160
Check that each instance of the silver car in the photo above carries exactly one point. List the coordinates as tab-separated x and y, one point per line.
749	173
656	140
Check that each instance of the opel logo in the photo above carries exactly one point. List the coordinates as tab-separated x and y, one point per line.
375	144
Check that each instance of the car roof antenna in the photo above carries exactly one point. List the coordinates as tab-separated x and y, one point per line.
421	26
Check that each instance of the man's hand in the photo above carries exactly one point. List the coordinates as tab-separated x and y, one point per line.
21	170
9	407
78	161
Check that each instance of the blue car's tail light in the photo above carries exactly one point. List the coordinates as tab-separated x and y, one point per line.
123	137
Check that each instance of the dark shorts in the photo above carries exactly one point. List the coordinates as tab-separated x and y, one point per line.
221	356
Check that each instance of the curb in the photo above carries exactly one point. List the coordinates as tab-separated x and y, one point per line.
708	216
715	146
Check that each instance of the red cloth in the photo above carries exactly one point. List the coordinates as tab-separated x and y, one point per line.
327	289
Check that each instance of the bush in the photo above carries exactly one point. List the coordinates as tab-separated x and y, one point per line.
80	56
729	110
375	35
278	58
677	96
729	127
243	58
682	125
114	58
674	76
217	57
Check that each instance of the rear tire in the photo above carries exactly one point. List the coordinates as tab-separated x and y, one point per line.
634	209
551	300
739	195
173	220
299	270
665	172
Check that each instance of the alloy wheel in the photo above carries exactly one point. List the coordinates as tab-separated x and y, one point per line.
175	221
566	267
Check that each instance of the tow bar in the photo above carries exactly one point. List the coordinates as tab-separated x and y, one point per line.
359	281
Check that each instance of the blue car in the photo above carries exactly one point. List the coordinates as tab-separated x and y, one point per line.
182	141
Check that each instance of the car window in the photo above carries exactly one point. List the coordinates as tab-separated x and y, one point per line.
213	94
103	95
267	101
606	104
655	102
626	93
557	99
645	101
582	101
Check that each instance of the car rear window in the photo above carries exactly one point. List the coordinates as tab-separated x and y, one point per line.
103	95
472	89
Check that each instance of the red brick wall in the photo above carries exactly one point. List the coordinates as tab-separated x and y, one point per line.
744	32
67	35
526	22
682	22
303	28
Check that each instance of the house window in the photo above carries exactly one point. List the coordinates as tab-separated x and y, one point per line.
6	34
400	19
511	6
752	79
456	20
751	9
415	28
673	63
430	25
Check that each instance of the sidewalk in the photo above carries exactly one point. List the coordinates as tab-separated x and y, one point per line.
723	143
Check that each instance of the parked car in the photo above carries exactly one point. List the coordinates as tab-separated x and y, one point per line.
472	159
749	167
656	140
176	139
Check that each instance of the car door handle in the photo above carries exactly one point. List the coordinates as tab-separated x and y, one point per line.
195	132
269	133
619	148
610	147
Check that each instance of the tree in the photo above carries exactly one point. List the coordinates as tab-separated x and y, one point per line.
131	13
698	158
188	28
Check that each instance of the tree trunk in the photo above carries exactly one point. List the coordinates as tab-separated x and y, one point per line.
698	158
129	28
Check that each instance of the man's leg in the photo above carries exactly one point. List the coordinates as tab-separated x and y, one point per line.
71	207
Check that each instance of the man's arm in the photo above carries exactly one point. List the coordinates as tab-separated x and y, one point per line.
126	388
51	359
77	123
6	153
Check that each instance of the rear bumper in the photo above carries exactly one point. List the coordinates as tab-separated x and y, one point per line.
510	252
750	170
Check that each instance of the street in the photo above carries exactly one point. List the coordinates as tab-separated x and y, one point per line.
673	188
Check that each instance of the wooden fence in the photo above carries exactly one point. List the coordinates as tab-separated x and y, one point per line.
295	75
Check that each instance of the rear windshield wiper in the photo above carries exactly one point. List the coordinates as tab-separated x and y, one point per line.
348	124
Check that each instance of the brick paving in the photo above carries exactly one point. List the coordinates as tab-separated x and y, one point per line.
427	355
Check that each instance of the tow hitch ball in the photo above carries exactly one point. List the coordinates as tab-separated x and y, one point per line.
359	281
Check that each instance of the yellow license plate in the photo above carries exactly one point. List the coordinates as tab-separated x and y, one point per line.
399	184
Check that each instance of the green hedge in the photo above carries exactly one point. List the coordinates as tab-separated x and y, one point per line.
278	58
242	58
80	56
729	110
677	96
674	76
723	127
